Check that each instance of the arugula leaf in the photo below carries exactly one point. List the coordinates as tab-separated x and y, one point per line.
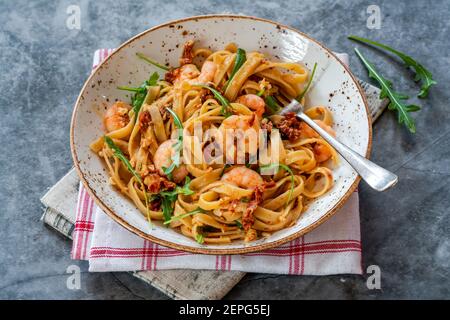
138	98
241	57
176	120
272	103
422	74
285	167
128	88
176	158
186	189
225	167
167	208
153	79
225	111
119	154
177	146
187	214
302	94
140	92
152	197
395	98
239	224
147	59
199	238
168	198
137	101
168	171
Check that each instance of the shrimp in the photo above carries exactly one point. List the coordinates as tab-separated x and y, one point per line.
254	102
243	177
183	73
163	159
116	117
321	152
308	132
240	134
206	74
242	122
190	74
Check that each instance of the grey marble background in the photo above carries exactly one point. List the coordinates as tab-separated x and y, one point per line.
43	65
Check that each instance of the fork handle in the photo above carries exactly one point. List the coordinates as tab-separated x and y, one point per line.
376	177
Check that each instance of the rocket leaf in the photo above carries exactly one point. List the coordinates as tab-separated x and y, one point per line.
422	74
395	98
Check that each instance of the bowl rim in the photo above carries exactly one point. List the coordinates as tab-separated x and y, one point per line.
206	250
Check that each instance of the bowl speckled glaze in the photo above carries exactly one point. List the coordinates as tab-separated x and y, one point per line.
333	86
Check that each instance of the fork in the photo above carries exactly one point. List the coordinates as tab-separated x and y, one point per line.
375	176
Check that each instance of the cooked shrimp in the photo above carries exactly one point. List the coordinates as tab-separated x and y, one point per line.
308	132
116	117
190	73
321	152
242	122
245	129
206	74
186	72
163	158
254	102
243	177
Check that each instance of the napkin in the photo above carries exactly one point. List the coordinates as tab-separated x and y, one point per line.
60	203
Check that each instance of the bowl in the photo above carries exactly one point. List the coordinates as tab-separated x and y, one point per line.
333	86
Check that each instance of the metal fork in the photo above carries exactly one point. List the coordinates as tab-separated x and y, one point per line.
376	177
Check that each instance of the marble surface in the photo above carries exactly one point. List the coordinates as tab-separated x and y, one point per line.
43	65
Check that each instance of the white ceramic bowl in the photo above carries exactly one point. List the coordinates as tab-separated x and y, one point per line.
333	86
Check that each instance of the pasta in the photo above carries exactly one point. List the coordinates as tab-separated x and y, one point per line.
204	151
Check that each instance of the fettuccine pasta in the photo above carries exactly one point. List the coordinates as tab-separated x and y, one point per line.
215	187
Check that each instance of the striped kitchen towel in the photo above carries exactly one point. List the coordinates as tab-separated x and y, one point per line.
332	248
